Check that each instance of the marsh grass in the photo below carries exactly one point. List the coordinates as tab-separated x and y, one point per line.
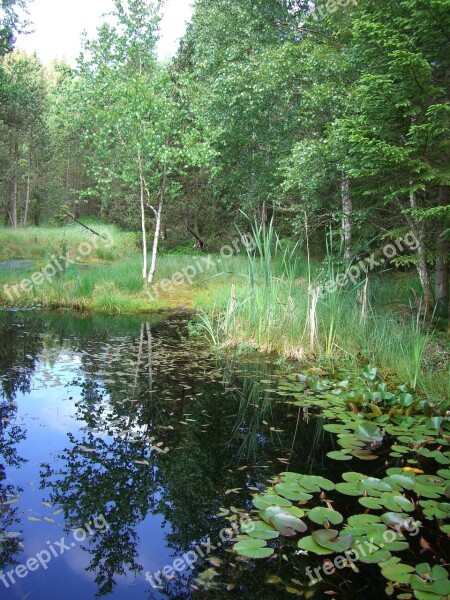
356	325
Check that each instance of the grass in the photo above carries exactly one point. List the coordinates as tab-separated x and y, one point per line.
276	312
258	299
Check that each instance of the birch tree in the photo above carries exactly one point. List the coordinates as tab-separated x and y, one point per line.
132	117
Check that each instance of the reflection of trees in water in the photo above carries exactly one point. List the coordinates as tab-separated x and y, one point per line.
140	394
11	434
19	349
21	344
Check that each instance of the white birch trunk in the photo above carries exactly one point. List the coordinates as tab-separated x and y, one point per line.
144	230
347	222
157	230
422	265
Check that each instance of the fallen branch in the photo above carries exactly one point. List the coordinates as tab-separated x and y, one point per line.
85	226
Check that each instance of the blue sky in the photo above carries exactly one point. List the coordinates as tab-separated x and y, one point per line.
58	25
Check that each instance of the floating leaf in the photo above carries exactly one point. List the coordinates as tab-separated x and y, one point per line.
292	491
363	520
339	455
322	515
252	548
399	573
310	545
283	521
259	530
329	538
368	432
373	503
263	501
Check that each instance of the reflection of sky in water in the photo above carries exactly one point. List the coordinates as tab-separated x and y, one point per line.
48	414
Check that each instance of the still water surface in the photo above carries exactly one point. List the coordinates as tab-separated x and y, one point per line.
132	435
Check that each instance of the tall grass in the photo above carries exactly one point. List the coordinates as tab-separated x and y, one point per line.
354	325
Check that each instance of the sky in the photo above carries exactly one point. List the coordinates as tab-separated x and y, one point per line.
58	25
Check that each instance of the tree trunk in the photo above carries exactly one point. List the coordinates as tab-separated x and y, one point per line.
27	196
422	265
442	266
144	231
347	222
157	229
14	190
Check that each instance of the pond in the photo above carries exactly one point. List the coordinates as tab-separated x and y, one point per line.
124	444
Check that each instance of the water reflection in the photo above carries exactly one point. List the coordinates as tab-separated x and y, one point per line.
159	435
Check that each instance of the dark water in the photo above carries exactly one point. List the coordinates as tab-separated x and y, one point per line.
120	441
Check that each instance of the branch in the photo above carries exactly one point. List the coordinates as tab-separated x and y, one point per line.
85	226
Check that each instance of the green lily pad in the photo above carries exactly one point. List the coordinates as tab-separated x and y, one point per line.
404	481
363	520
322	482
263	501
292	491
368	432
260	530
399	573
339	455
375	557
397	502
336	428
322	516
353	477
310	545
330	539
283	521
371	484
373	503
349	489
252	548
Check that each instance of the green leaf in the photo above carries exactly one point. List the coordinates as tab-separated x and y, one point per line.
252	548
292	491
368	432
283	521
310	545
329	538
399	573
373	503
260	530
322	516
262	501
339	455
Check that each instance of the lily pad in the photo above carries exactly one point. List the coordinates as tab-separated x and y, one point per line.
252	548
399	573
292	491
330	539
339	455
263	501
322	516
310	545
260	530
283	521
368	432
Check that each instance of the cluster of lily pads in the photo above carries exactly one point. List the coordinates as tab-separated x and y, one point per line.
366	418
372	536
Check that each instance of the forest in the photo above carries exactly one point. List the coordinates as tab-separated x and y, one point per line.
320	128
